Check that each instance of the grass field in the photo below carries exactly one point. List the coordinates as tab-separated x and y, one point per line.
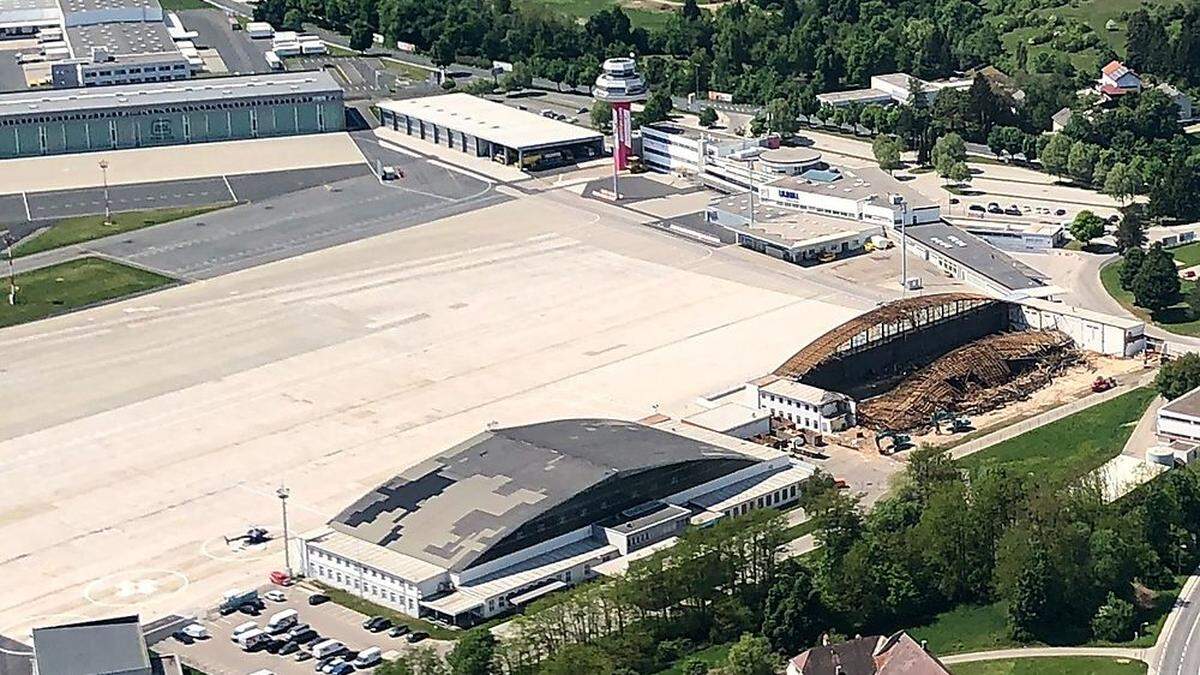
67	286
86	228
369	608
1073	446
713	656
969	628
1061	665
1178	317
976	628
414	73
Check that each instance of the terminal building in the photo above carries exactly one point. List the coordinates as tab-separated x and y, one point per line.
55	122
515	513
483	128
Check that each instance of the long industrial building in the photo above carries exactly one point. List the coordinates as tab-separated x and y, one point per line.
154	114
483	128
515	513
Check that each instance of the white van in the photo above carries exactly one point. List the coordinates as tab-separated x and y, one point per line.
281	621
251	639
327	648
243	628
368	657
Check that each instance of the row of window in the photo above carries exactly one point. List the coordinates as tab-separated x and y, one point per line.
367	572
775	498
348	580
134	71
160	110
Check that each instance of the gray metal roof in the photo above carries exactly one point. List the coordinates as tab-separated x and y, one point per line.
976	254
121	39
93	99
106	647
73	6
451	509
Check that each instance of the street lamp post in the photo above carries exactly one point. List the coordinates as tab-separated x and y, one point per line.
104	177
283	493
12	277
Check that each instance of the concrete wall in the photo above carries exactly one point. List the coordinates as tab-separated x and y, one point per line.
1114	336
1178	426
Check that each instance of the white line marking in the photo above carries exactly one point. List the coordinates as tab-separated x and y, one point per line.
466	172
229	187
25	198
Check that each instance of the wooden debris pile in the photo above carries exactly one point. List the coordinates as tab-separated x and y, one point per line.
975	378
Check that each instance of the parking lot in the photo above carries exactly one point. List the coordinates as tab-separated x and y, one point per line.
220	655
241	54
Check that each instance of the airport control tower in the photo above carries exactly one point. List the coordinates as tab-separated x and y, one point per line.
619	85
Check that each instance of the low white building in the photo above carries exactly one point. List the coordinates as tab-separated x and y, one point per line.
1180	419
1021	237
512	514
1093	331
893	88
804	405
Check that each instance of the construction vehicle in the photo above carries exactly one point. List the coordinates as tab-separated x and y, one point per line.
899	442
254	535
1103	384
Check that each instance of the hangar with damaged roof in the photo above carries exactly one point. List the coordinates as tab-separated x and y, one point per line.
512	514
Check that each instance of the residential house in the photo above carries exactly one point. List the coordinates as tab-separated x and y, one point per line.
896	654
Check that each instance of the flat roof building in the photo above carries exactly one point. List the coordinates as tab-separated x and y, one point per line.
484	128
893	88
473	532
22	18
149	114
969	258
110	646
790	234
1016	236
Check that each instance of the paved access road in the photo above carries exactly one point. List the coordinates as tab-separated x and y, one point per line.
1179	645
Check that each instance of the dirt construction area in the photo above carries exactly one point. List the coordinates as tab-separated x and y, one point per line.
146	431
1071	385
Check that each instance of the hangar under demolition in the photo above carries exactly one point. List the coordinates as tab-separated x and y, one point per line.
908	361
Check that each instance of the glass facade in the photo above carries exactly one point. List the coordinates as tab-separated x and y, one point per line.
195	122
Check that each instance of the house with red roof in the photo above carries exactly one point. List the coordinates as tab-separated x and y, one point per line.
896	654
1116	79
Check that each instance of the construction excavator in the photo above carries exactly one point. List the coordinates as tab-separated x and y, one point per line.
957	424
899	442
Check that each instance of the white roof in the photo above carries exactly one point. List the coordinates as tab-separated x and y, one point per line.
538	568
797	391
1086	314
381	558
491	121
754	487
727	416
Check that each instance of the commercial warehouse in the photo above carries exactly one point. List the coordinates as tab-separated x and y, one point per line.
512	514
153	114
483	128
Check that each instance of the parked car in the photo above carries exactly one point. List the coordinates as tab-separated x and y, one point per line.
993	207
342	669
275	596
1060	212
416	636
289	647
303	656
318	599
370	623
321	663
1013	210
299	631
954	200
1114	219
398	630
976	207
195	631
274	645
380	626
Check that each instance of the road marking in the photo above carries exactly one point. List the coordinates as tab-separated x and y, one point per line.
229	187
395	148
25	198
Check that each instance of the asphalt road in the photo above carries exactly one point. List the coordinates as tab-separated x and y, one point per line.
1179	648
241	54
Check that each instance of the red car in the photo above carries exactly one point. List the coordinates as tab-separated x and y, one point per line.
281	578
